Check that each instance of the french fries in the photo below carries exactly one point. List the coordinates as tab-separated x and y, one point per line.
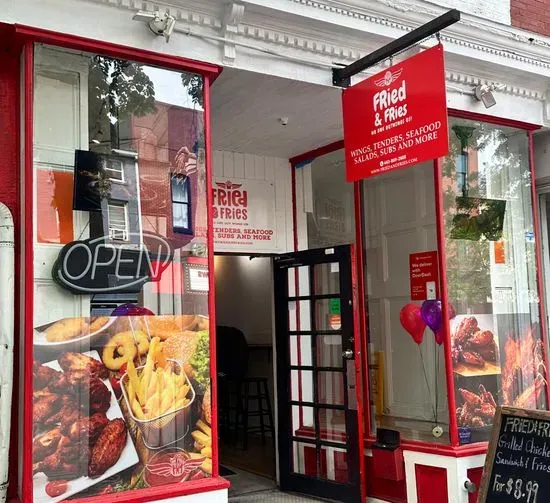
155	389
203	443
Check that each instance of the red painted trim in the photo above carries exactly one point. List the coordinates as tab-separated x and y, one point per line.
462	451
161	492
362	306
312	154
360	392
538	253
211	278
431	484
474	474
10	167
501	121
115	50
28	269
442	262
294	211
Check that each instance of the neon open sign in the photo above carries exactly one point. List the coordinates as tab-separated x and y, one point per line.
98	265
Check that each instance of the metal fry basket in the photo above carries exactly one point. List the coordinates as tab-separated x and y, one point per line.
168	428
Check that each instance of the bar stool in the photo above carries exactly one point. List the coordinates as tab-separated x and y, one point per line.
254	402
232	365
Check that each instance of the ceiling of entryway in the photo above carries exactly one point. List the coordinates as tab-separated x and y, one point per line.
246	108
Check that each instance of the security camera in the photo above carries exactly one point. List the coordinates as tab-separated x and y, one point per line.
484	93
283	121
160	24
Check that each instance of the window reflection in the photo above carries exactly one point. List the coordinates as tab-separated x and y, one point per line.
121	327
491	274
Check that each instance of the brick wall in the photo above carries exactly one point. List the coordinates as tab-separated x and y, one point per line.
495	10
532	15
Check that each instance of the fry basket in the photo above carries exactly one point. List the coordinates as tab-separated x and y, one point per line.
168	428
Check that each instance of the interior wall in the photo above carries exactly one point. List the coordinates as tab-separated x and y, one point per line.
244	300
243	296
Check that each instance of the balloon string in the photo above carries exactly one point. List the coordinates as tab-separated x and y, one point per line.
426	378
436	353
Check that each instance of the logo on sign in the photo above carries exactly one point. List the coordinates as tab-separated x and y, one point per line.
97	265
389	104
230	201
389	78
170	466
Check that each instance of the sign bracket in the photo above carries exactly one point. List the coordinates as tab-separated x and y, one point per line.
341	77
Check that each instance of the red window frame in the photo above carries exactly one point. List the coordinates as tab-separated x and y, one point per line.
453	448
23	39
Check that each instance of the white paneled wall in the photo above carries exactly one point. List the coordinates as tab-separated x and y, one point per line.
254	167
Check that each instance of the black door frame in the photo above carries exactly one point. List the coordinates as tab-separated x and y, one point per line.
289	480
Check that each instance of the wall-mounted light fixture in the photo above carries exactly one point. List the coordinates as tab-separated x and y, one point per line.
160	24
484	93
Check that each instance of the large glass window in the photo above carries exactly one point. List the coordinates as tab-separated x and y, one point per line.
121	333
407	374
491	272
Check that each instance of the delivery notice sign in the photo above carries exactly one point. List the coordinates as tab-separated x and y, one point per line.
397	117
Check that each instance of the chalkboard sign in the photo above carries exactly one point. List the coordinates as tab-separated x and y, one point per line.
517	468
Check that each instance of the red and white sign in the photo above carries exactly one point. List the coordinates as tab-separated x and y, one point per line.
244	215
396	118
424	276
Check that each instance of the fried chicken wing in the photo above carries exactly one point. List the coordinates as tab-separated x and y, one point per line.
67	462
45	444
41	393
55	468
466	329
79	362
86	429
42	375
69	408
108	448
45	407
100	396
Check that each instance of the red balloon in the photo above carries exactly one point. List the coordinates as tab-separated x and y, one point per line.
439	338
411	320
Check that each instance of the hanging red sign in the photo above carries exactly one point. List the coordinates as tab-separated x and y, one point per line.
424	275
396	118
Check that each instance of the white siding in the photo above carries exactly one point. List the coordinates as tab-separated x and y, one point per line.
274	169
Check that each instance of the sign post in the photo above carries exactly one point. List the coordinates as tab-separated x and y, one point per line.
517	466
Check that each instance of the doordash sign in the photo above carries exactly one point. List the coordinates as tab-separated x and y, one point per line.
396	118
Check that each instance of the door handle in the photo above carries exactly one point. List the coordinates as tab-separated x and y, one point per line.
348	354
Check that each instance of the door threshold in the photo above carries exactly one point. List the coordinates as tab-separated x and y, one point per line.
274	496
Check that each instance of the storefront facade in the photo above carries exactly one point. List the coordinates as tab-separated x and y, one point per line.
122	185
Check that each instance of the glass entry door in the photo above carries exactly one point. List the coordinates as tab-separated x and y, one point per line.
318	374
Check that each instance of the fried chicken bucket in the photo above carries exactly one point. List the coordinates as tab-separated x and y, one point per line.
166	419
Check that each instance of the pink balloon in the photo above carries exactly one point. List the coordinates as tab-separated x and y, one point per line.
411	320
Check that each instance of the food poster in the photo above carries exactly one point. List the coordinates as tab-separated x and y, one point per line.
497	360
123	403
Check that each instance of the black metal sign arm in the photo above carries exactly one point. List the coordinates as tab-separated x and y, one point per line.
341	76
